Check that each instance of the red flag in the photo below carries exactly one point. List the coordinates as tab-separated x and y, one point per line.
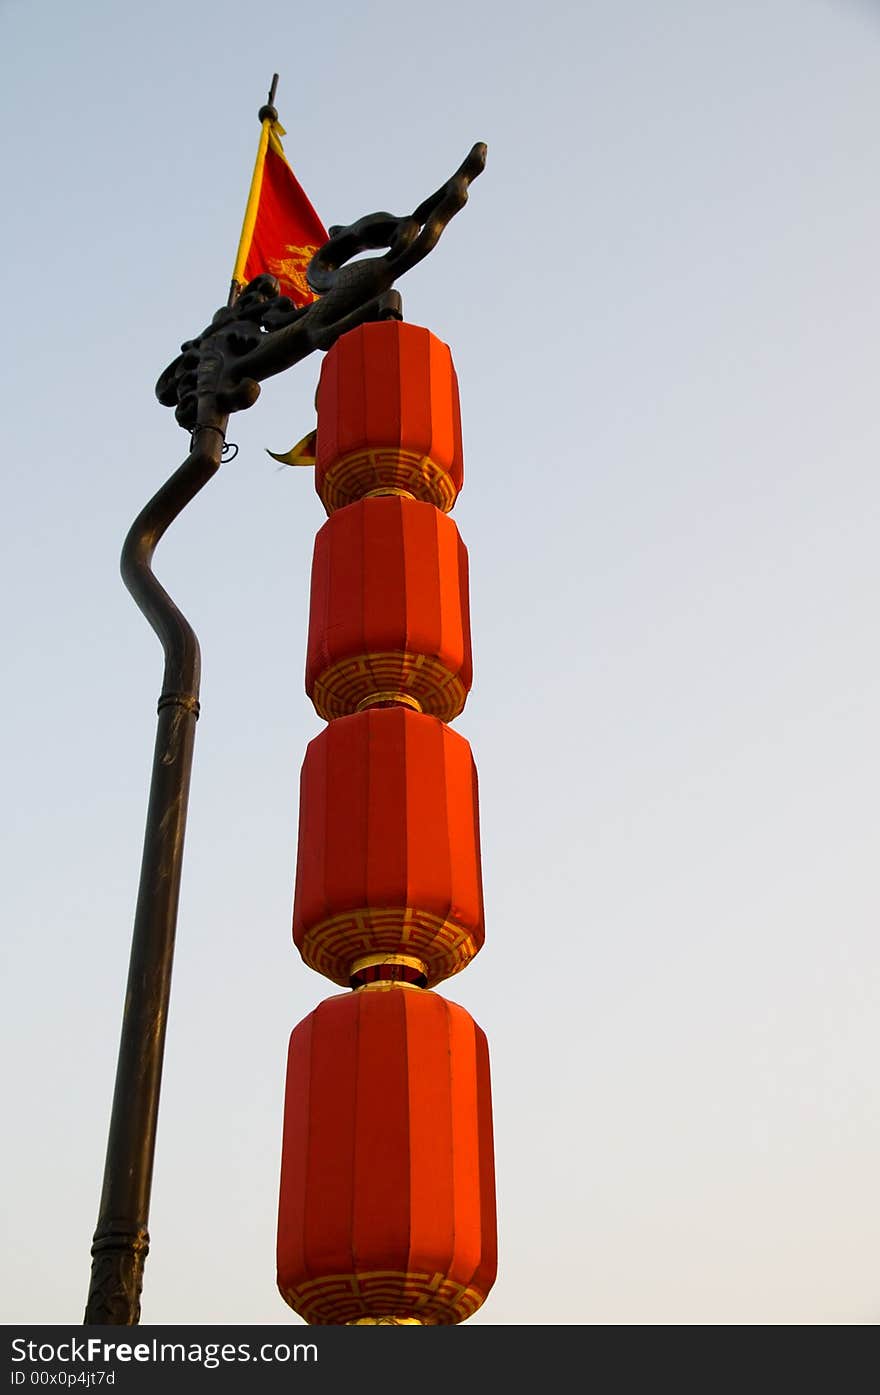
281	230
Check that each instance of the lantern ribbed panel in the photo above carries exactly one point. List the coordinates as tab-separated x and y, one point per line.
388	417
389	609
387	1201
389	845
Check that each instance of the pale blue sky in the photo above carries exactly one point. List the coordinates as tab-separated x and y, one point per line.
662	304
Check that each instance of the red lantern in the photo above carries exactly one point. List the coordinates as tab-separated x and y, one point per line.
389	849
387	1202
388	417
389	612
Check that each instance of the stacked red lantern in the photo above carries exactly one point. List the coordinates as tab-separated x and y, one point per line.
389	610
387	1207
388	417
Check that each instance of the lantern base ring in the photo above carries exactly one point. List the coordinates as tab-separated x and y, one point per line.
403	969
354	474
387	491
385	1322
404	676
389	698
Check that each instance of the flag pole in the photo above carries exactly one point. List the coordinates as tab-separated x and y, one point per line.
268	115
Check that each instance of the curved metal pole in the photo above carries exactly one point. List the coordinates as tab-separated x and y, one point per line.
121	1238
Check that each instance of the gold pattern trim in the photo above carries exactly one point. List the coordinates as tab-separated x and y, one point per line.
387	491
402	699
382	985
367	961
342	1299
385	1322
334	945
354	475
340	688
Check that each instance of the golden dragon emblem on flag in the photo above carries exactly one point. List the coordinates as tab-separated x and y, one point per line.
292	269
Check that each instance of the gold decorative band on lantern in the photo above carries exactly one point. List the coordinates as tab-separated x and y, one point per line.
337	945
360	472
387	985
375	970
341	1299
351	684
385	1322
389	699
385	493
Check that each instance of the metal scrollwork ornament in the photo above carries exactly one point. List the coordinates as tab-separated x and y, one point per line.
264	332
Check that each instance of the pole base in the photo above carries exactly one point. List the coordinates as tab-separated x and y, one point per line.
118	1259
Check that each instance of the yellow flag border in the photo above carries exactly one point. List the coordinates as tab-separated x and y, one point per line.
270	134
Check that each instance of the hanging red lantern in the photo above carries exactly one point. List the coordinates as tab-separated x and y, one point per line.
387	1198
388	866
388	417
389	610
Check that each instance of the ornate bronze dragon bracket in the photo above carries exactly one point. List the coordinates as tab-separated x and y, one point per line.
263	333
